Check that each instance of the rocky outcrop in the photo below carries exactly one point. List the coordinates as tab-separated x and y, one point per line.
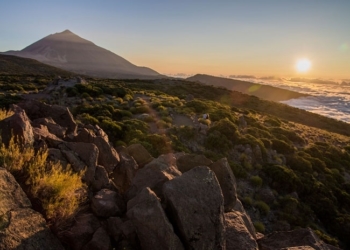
140	154
227	181
61	115
100	240
107	203
188	161
303	238
21	227
152	225
196	204
17	125
154	175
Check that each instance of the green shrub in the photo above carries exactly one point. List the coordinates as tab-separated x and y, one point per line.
256	181
282	147
259	227
247	201
226	128
263	207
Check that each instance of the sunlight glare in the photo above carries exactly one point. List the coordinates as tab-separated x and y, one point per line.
303	65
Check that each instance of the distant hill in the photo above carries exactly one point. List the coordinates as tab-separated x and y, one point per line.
70	52
13	65
262	91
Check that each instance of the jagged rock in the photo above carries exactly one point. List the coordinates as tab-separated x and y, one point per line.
129	233
55	154
12	195
108	156
75	162
237	235
301	238
21	227
42	133
82	231
101	179
107	203
246	219
61	115
17	125
100	240
196	203
152	225
124	172
140	154
51	125
154	175
114	227
85	152
227	181
187	162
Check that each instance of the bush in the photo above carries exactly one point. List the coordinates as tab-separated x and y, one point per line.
259	227
226	128
256	181
263	207
282	147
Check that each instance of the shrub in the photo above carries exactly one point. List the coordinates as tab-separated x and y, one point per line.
259	227
247	201
226	128
282	147
256	181
263	207
4	114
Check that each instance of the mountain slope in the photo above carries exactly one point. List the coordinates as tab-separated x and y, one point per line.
68	51
262	91
13	65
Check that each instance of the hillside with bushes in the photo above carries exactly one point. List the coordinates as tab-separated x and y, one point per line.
292	167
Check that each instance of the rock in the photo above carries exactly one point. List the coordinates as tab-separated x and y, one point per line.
17	125
25	229
227	181
237	235
196	204
53	128
21	227
107	203
301	238
129	233
42	133
246	219
101	179
12	195
108	156
152	225
82	231
125	171
100	240
140	154
266	195
76	163
242	122
55	155
154	175
189	161
114	227
61	115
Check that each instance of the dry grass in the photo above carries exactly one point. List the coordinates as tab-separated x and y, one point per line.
4	114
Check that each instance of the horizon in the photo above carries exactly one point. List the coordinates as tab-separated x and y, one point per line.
260	39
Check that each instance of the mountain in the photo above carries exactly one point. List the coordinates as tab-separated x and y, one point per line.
262	91
70	52
13	65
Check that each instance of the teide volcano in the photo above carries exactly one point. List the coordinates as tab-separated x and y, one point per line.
68	51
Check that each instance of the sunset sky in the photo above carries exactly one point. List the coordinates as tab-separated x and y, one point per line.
214	37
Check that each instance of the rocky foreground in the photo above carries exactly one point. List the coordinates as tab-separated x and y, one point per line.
134	201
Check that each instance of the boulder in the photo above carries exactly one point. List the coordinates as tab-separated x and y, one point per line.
246	219
101	179
17	125
51	125
196	204
76	163
42	133
189	161
114	227
152	225
55	155
237	235
129	234
140	154
108	156
61	115
154	175
125	171
303	238
100	240
81	232
107	203
21	227
227	181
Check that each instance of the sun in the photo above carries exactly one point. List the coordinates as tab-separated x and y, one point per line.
303	65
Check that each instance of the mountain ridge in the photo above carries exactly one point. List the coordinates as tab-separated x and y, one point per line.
68	51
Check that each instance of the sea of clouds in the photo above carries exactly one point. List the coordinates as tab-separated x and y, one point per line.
328	98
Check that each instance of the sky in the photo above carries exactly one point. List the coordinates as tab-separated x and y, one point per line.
261	37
